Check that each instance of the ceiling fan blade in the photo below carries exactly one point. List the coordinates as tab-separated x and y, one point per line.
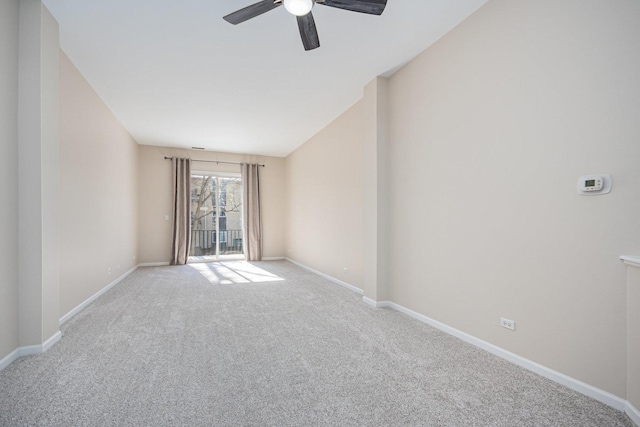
373	7
251	11
308	32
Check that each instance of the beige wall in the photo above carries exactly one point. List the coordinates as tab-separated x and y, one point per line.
38	174
487	133
633	336
377	226
490	130
50	169
154	193
99	184
9	176
325	189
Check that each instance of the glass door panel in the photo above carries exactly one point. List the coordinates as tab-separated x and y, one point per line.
203	219
230	219
216	216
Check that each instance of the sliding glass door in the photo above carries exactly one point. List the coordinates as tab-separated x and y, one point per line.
216	215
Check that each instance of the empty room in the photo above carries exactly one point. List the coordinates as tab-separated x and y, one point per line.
330	213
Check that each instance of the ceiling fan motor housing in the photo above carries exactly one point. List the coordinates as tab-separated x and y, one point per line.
298	7
302	10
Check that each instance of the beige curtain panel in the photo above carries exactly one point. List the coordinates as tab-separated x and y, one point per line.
251	218
181	211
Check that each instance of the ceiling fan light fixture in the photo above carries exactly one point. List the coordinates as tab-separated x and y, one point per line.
298	7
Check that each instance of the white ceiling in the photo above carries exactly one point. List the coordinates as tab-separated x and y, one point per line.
176	74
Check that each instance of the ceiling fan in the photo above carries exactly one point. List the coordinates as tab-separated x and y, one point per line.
302	10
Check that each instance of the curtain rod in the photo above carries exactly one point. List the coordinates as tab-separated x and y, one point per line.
211	161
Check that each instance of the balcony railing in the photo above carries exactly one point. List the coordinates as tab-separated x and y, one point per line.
203	242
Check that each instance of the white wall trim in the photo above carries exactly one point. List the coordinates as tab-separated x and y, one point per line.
633	413
376	304
332	279
572	383
41	348
9	358
29	350
633	261
51	341
95	296
153	264
560	378
273	258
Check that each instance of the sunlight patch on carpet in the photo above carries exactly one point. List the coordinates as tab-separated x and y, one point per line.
227	273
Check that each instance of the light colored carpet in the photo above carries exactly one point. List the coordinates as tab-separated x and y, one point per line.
270	344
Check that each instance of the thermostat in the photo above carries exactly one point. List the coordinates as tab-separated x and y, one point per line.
591	185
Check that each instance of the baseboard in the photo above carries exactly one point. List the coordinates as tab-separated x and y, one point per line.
633	413
51	341
376	304
332	279
41	348
560	378
9	358
30	350
95	296
162	264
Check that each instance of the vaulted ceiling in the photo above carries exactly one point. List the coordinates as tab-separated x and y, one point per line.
176	74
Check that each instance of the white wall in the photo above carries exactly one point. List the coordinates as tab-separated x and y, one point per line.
99	184
325	193
490	130
154	194
9	176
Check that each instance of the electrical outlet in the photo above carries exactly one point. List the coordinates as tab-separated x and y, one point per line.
346	270
506	323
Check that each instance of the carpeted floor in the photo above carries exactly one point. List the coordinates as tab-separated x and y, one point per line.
270	344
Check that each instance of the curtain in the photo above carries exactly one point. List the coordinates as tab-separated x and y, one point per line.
181	211
251	219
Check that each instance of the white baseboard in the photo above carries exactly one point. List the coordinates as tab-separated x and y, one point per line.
30	350
560	378
633	413
273	258
9	358
153	264
376	304
51	341
40	348
95	296
332	279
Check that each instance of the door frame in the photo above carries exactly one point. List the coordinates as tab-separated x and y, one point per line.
217	257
